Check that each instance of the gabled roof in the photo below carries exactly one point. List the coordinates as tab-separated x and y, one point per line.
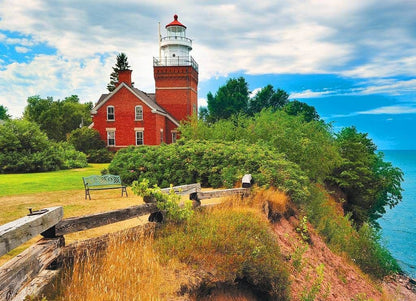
148	99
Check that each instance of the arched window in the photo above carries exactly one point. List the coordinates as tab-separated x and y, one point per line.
110	113
138	113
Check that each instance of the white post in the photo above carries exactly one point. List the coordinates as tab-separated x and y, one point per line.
160	48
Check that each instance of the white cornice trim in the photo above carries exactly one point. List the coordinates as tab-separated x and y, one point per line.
154	110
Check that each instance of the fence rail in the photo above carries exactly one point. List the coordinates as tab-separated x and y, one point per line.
29	272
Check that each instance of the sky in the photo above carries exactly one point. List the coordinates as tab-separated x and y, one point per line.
355	60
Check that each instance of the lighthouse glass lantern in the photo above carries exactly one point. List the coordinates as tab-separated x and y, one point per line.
175	46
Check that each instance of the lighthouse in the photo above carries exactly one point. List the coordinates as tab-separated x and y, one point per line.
176	72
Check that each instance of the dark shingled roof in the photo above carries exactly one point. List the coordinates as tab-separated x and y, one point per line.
149	98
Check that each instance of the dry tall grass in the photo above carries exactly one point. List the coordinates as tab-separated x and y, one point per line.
130	270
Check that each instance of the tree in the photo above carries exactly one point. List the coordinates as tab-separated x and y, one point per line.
311	145
267	97
57	118
230	99
121	64
203	113
89	142
368	183
3	113
299	108
25	148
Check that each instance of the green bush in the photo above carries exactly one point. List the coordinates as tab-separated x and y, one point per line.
89	142
362	246
211	163
25	148
169	203
102	155
311	144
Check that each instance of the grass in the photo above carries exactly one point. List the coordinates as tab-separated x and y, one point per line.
362	247
25	183
220	245
18	192
61	188
130	270
230	242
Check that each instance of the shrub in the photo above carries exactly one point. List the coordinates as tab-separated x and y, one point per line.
169	203
311	145
362	246
25	148
211	163
89	142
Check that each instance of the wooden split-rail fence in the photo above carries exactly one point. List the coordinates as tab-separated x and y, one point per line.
29	272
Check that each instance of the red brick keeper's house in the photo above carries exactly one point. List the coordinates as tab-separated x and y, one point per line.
129	116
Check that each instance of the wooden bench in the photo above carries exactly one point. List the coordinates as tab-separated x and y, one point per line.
96	182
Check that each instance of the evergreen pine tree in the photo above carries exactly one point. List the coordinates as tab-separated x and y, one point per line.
121	64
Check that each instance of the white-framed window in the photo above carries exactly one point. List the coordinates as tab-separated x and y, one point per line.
161	135
111	113
139	138
174	136
111	138
138	113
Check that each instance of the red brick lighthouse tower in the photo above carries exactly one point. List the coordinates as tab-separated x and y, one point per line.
176	73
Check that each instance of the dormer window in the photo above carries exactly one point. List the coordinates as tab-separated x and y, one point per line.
138	113
110	113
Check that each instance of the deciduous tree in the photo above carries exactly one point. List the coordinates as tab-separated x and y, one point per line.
299	108
230	99
369	183
3	113
268	97
57	118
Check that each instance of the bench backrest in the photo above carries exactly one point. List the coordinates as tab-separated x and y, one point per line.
104	180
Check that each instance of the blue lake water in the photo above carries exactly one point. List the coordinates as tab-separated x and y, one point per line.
399	224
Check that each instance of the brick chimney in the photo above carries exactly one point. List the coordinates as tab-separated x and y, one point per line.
124	76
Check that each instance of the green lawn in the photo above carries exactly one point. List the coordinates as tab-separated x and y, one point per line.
15	184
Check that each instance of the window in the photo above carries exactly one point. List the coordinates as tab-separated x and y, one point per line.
161	136
111	138
110	113
138	113
173	137
139	138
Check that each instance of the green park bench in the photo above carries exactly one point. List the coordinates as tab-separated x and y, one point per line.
96	182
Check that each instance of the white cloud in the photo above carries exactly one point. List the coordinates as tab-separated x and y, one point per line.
350	38
385	110
254	92
391	110
310	94
20	49
202	102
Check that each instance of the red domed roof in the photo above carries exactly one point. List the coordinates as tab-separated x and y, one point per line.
175	22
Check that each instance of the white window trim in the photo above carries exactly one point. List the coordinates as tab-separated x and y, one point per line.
135	137
114	113
174	136
108	138
135	113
